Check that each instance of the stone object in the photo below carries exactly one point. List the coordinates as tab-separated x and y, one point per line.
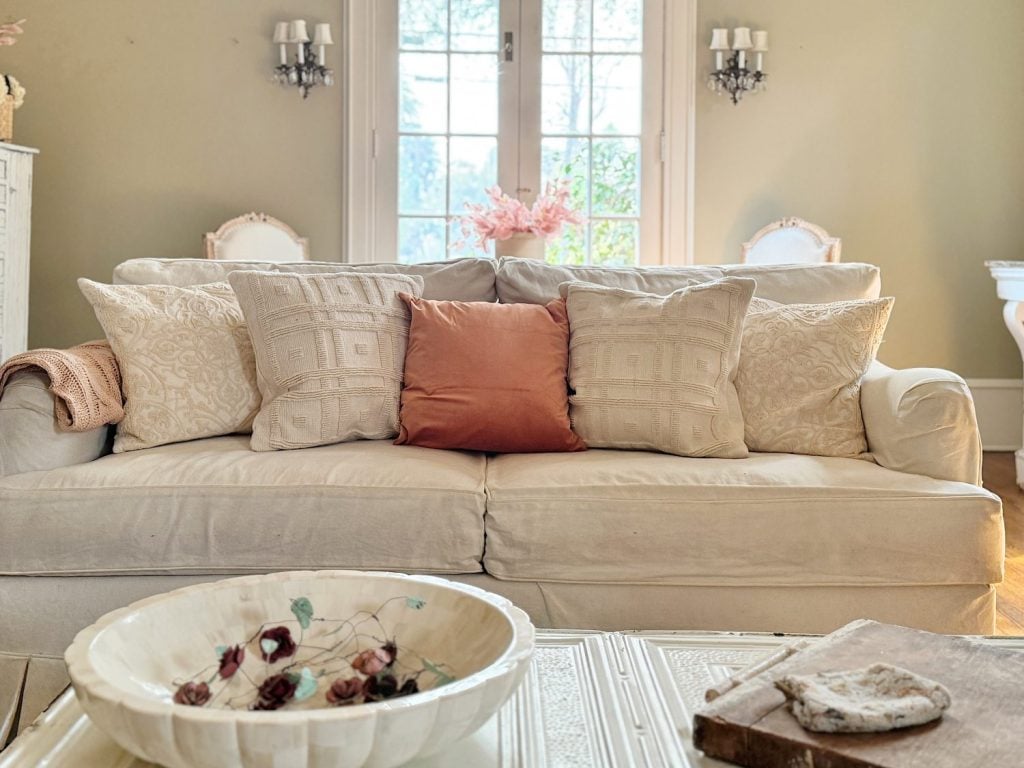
870	700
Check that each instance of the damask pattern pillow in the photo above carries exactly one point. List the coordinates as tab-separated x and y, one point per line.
187	366
656	372
330	351
800	371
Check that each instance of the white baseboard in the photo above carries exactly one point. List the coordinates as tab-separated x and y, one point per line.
1000	407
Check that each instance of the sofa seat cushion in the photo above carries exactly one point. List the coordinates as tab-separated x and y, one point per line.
214	506
770	519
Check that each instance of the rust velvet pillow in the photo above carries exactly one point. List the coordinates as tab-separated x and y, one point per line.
487	377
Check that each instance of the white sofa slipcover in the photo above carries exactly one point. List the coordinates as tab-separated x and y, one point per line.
628	517
215	506
603	539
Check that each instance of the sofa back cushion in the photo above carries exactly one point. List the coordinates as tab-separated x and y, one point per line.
530	281
534	282
811	283
456	280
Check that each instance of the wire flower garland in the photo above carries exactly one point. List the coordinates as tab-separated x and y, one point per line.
347	661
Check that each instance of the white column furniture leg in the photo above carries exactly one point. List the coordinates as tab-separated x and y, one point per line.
1009	277
1013	316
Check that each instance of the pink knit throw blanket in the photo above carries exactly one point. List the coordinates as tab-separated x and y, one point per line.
85	381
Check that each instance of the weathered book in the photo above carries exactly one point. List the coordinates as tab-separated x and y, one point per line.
747	721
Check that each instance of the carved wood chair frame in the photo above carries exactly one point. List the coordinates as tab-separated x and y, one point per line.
792	222
211	240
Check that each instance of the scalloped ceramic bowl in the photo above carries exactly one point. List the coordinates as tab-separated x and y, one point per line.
122	668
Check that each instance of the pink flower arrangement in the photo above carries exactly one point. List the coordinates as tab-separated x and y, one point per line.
8	32
507	216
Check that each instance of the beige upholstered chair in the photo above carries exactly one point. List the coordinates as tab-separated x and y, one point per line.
791	241
256	237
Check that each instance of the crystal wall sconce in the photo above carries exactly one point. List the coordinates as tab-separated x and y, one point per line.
734	77
306	71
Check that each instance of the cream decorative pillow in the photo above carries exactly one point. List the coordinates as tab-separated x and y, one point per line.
656	372
330	351
800	371
187	367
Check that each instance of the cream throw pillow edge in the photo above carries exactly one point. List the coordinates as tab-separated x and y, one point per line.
268	430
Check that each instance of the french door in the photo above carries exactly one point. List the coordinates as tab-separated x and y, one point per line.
519	93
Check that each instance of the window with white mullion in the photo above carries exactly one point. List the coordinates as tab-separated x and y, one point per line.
448	54
593	124
579	100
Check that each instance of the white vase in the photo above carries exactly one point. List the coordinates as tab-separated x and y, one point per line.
522	245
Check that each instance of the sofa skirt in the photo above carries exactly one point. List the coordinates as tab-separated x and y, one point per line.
42	614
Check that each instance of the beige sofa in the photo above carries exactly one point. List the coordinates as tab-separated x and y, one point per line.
602	539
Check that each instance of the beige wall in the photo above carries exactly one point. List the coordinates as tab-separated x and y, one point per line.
896	125
156	121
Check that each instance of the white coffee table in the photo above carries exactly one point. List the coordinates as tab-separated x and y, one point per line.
590	699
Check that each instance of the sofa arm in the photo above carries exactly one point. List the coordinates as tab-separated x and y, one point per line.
922	421
29	439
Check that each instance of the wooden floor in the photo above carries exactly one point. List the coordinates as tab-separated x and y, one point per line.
1000	478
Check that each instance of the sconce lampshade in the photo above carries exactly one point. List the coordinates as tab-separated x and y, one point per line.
300	35
761	41
322	35
719	39
282	32
741	39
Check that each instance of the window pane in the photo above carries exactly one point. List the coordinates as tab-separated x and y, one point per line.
570	248
463	245
568	158
421	240
618	25
475	25
474	167
423	104
474	93
566	25
617	88
422	164
565	95
423	24
616	169
614	243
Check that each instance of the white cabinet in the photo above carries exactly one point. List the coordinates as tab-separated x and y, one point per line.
15	228
1009	277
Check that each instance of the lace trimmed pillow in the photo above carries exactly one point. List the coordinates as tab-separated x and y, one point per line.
187	365
799	374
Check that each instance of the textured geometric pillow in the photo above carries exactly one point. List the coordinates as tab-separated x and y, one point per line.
800	371
187	367
656	372
330	350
